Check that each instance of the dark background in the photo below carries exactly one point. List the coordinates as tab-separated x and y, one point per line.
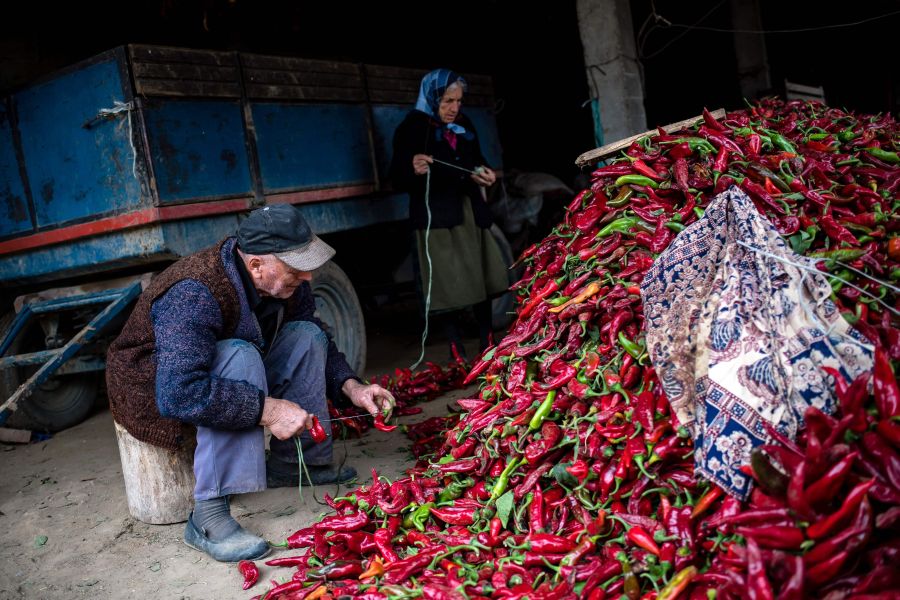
532	51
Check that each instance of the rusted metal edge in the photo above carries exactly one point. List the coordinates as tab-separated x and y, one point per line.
609	149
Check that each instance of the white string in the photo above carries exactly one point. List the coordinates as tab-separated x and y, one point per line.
108	113
427	256
867	276
440	162
806	268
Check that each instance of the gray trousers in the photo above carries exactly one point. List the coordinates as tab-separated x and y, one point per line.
234	462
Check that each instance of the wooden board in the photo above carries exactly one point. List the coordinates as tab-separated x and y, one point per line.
159	483
609	149
14	436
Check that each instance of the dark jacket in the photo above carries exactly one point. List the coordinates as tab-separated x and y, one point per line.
420	134
159	387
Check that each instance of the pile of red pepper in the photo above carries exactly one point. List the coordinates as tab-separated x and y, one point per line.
407	388
569	477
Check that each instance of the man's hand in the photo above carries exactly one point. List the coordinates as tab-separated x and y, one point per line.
484	177
372	398
421	162
284	418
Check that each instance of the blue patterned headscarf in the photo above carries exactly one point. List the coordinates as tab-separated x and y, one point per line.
431	91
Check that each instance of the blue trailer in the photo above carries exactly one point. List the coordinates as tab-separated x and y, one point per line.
117	166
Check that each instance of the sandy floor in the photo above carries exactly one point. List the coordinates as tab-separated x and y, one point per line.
65	530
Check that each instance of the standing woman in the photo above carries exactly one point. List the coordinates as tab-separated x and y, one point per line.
467	266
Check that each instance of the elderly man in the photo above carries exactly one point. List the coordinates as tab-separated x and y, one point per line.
223	344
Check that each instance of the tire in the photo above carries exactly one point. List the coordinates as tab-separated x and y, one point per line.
502	307
57	404
338	307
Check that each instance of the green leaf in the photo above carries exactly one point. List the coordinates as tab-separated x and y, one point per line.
800	242
489	355
504	507
562	476
40	540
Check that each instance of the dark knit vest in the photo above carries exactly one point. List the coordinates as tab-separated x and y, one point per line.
130	361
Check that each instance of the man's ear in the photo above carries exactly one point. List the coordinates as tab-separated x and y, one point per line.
253	263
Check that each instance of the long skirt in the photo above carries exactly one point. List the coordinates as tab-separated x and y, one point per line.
467	265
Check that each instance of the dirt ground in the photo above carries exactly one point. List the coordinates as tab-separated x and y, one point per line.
65	530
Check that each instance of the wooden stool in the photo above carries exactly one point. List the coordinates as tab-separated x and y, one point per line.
159	483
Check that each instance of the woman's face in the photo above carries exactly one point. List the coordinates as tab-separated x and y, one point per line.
451	102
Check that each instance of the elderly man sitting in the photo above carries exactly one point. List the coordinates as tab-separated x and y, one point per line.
222	344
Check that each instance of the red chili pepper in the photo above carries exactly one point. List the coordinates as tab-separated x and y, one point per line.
758	587
289	561
707	500
850	539
644	169
302	538
380	424
642	539
578	470
774	536
828	569
250	572
455	515
317	432
887	393
382	539
401	570
351	522
883	455
825	526
836	231
825	488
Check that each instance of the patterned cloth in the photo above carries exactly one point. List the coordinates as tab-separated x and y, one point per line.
739	335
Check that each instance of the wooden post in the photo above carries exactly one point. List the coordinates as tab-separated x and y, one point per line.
159	483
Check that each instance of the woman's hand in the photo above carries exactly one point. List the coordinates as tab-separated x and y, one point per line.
484	176
420	163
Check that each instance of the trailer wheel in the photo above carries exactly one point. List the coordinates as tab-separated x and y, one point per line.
503	306
59	403
338	307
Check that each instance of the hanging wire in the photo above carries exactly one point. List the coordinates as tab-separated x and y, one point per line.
797	30
826	274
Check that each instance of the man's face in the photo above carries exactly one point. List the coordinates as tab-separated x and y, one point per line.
272	277
450	104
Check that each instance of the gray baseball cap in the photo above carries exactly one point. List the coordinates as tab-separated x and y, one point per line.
281	230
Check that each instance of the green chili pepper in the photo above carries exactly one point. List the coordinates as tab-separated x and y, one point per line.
818	136
847	135
622	225
543	410
621	198
557	301
885	155
675	226
636	180
696	144
420	515
455	489
836	284
831	256
503	479
630	347
781	142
